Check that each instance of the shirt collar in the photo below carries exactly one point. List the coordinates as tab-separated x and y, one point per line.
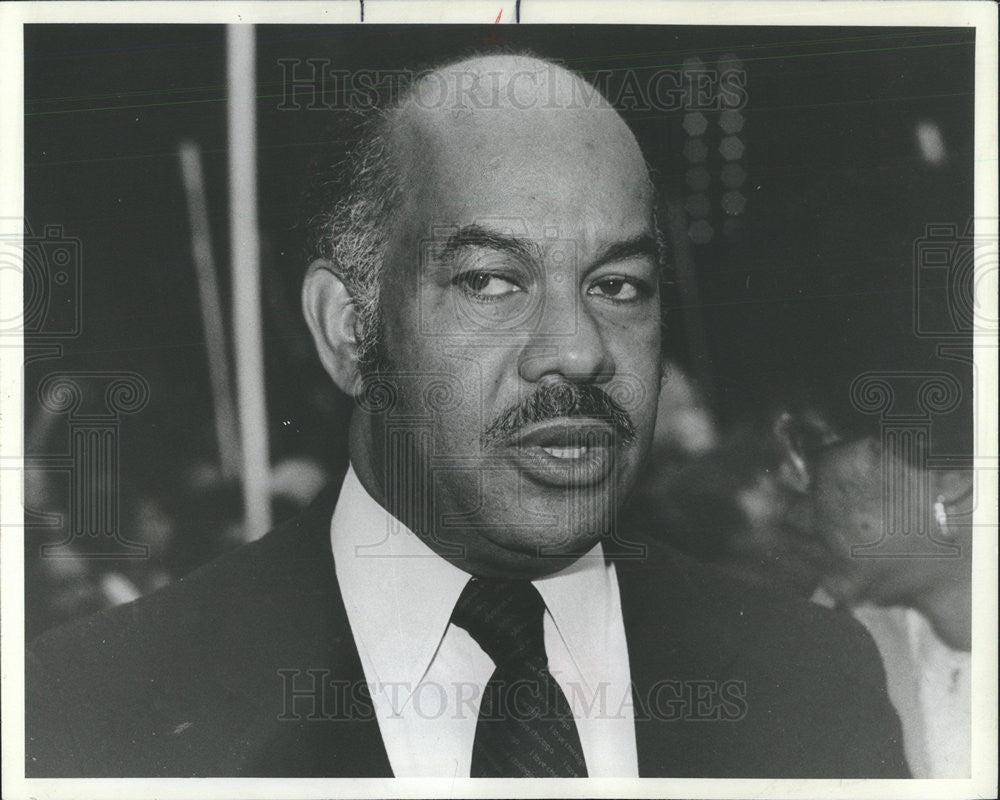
580	601
400	594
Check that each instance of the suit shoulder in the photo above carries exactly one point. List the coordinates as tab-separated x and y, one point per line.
164	608
194	615
782	630
803	632
188	677
809	678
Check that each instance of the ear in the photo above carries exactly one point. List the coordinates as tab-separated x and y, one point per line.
330	314
794	470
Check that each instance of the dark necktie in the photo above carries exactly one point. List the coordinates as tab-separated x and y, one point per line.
525	727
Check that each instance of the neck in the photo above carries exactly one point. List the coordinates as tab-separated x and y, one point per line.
360	449
949	611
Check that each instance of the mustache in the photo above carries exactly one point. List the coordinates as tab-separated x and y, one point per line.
554	401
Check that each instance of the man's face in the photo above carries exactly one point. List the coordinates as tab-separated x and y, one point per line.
521	327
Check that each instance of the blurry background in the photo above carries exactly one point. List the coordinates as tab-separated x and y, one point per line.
798	213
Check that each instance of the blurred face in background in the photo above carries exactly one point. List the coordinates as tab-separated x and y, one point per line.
847	491
520	323
869	528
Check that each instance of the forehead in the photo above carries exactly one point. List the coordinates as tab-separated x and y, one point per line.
571	172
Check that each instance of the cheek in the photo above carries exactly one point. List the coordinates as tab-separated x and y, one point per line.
638	376
415	335
397	323
457	388
830	527
843	525
637	338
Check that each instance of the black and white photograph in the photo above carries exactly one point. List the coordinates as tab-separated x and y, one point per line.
517	391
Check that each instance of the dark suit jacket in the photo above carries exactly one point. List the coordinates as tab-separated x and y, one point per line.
247	667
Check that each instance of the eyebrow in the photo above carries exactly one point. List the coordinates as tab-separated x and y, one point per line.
473	236
476	236
642	245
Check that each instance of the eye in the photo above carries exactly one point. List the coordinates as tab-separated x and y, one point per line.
486	286
619	289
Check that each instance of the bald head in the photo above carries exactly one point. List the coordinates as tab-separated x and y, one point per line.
502	113
517	131
495	82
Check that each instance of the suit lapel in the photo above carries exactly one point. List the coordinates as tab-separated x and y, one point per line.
671	650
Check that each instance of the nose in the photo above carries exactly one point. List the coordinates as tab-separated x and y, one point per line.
568	344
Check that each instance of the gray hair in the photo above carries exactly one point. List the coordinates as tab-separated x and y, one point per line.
352	204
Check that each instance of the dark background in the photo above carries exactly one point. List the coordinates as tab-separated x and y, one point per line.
809	286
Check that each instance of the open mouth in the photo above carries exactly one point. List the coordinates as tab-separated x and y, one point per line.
566	452
569	453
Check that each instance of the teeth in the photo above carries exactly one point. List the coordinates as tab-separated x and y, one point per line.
566	452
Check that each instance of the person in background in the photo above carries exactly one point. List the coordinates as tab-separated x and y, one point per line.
874	415
800	509
867	367
912	588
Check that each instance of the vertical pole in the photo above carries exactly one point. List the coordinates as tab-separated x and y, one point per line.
245	249
212	319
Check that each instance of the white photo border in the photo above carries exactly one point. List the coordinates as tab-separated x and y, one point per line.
980	15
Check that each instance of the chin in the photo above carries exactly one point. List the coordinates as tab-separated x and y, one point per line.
847	590
558	544
527	554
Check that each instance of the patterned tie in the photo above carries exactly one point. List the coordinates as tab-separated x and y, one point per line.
525	727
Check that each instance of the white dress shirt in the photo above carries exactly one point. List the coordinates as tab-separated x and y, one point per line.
930	686
427	676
